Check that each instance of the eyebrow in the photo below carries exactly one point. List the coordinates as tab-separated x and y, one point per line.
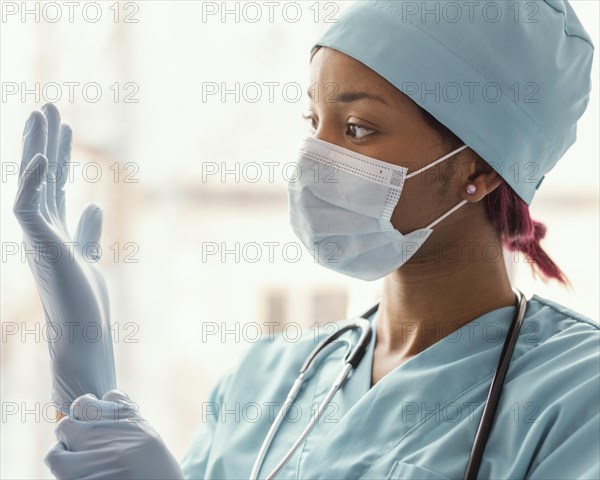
347	97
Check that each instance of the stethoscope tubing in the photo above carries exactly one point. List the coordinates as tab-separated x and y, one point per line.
352	359
493	398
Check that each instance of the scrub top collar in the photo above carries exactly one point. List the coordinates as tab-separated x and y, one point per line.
485	332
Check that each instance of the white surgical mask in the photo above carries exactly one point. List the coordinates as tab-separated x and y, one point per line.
340	205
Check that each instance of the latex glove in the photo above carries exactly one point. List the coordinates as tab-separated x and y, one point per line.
108	439
70	285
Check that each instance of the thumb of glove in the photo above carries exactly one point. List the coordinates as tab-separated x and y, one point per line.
127	409
89	230
116	396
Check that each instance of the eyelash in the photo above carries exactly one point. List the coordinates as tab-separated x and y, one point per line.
308	116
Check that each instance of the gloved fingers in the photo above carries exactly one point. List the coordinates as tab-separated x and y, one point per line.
126	409
70	432
57	460
88	232
62	173
88	408
87	412
116	396
68	465
35	137
27	206
53	119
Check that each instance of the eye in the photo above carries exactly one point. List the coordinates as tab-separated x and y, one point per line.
358	132
309	116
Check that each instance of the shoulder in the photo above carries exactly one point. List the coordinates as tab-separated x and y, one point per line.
556	360
554	385
557	313
551	326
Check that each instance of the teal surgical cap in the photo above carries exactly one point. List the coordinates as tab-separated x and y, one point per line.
510	78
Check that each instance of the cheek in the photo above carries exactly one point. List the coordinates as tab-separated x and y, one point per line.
419	202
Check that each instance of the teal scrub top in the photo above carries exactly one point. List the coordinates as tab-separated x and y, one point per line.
419	420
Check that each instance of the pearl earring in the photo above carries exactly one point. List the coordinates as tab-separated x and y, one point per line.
471	189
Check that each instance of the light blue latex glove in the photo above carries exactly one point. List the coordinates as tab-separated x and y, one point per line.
108	439
69	282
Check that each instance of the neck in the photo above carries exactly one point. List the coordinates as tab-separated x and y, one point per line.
427	299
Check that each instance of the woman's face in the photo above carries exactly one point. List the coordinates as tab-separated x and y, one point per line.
355	108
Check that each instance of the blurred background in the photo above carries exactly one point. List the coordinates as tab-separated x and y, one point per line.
185	115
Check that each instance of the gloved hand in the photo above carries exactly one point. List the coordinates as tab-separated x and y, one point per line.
71	287
108	439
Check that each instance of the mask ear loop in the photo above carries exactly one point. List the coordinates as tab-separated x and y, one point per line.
436	162
452	210
457	206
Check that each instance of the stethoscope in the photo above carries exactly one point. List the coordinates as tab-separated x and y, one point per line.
354	356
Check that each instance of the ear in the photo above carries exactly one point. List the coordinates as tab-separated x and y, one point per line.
485	180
